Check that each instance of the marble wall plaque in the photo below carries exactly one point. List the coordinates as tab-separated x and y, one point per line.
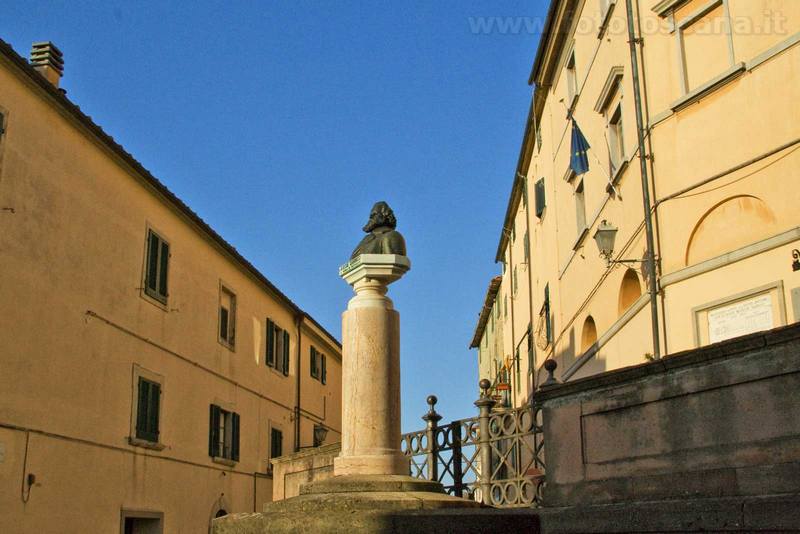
740	318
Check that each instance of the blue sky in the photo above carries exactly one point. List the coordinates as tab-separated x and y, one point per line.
281	122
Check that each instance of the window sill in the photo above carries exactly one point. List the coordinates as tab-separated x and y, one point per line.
709	87
138	442
158	303
605	18
617	176
223	461
230	346
581	238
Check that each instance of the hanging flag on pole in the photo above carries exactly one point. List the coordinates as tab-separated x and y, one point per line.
579	161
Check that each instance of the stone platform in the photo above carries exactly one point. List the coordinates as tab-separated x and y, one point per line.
377	504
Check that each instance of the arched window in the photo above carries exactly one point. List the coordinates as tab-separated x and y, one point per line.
588	334
629	291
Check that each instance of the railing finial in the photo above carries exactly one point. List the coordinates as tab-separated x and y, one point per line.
550	366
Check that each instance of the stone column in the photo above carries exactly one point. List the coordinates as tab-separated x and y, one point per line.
371	370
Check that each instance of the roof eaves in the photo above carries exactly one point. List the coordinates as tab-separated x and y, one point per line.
60	98
483	317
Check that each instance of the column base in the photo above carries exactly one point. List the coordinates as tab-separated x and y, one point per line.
384	464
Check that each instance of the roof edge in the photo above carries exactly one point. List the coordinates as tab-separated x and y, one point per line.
168	196
483	317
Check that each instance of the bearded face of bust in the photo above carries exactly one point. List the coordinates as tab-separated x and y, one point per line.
382	238
381	215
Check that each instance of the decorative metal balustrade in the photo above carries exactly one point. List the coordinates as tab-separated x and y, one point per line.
496	458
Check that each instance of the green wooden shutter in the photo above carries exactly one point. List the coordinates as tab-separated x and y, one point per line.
270	359
152	415
286	353
162	272
314	373
2	124
530	350
213	431
235	437
223	323
141	411
547	324
540	200
151	277
324	370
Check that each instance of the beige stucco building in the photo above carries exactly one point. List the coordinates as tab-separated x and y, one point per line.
148	372
719	86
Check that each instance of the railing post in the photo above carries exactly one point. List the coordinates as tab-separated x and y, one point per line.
484	404
432	450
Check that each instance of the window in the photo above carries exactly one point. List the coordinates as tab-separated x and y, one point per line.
524	192
155	276
526	247
540	201
616	145
318	365
514	278
572	80
2	124
547	313
705	42
223	435
539	139
580	208
530	350
517	366
277	348
147	412
227	317
276	443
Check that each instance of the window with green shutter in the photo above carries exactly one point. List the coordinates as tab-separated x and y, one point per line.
278	348
540	200
313	363
276	443
147	412
227	317
324	370
223	434
156	267
2	124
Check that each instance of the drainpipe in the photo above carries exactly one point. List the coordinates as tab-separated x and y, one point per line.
298	323
648	218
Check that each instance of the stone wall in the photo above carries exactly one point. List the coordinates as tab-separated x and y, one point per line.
307	465
719	421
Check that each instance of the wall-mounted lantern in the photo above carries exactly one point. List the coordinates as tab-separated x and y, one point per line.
796	262
320	433
604	236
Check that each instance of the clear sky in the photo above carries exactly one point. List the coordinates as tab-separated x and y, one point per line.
281	122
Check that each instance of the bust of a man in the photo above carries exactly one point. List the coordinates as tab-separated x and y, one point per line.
382	238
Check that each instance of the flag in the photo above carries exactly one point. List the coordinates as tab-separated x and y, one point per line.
579	161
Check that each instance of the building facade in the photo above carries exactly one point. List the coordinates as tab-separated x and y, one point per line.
148	372
718	82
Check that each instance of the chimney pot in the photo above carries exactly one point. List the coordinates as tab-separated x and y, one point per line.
48	60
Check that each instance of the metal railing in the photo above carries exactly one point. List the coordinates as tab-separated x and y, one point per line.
496	458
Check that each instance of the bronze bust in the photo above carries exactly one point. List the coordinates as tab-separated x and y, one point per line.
382	238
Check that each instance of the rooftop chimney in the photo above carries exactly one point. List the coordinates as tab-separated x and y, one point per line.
48	60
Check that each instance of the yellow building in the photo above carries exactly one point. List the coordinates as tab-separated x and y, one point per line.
148	372
718	83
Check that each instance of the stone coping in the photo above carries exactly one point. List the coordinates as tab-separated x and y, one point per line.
311	451
730	348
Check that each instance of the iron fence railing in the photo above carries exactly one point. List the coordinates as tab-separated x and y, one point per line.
496	458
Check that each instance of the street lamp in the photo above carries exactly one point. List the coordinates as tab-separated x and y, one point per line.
604	236
320	432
